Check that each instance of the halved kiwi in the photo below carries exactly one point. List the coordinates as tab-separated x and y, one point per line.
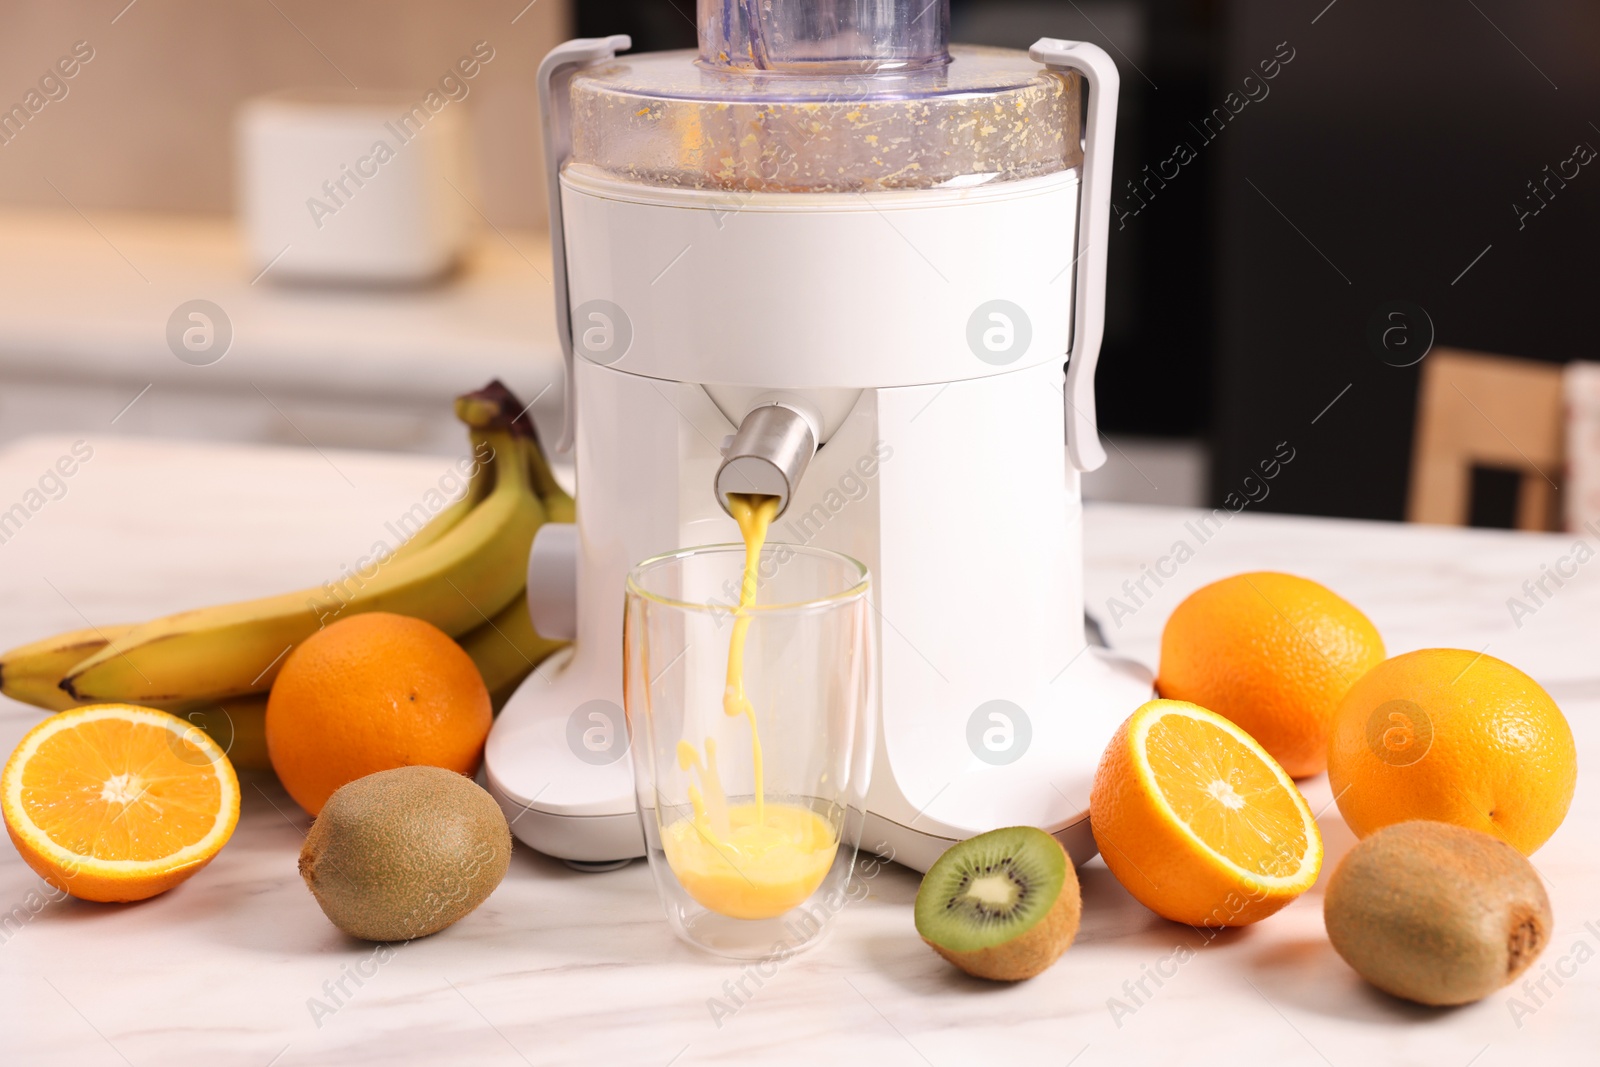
1003	905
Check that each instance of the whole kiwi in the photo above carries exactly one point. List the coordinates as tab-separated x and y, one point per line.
1436	913
404	853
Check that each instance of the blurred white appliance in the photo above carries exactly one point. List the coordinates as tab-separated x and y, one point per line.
353	186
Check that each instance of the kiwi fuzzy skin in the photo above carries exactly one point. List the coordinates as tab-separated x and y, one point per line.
1436	913
404	853
1034	951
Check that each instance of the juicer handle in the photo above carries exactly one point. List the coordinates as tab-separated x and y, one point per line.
1094	228
555	117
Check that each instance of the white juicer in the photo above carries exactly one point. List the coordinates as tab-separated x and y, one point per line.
833	260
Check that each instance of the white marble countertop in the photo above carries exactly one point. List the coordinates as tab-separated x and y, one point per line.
560	967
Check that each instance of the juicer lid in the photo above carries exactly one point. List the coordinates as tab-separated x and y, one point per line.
665	118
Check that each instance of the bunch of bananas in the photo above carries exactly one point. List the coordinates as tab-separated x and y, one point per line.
465	572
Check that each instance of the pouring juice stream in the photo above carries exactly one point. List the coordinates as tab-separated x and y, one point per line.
755	860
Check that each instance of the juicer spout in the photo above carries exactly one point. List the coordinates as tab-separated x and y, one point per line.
768	454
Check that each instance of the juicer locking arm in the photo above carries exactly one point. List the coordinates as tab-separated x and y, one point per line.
555	117
1094	228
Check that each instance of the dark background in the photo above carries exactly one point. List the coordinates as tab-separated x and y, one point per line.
1384	159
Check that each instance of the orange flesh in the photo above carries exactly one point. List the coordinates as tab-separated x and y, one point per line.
117	790
1226	795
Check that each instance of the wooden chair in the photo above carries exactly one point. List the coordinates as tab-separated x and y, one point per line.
1478	410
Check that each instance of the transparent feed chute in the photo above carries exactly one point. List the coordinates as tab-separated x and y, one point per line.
878	35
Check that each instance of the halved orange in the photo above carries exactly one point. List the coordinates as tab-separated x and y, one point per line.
114	802
1198	822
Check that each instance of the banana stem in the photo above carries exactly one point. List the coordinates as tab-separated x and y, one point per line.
494	407
497	407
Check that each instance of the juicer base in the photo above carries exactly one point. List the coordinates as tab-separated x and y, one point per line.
597	868
917	850
913	820
608	836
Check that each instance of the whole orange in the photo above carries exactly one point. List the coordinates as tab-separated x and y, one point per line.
370	693
1273	652
1457	737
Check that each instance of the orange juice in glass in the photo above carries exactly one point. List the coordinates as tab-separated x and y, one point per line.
750	689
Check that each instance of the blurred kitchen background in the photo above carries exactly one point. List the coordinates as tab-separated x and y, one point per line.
1363	232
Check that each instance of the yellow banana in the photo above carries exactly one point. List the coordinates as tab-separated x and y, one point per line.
472	571
558	503
454	512
32	673
46	695
238	725
506	648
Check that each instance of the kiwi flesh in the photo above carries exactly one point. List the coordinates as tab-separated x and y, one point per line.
1436	913
1003	905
